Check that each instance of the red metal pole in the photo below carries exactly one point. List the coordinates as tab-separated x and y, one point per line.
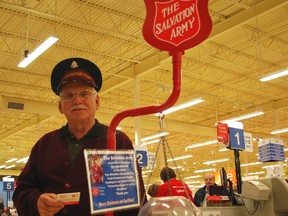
176	61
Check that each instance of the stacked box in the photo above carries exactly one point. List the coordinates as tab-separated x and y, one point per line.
271	150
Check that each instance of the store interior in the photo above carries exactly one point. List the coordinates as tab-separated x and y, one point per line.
248	41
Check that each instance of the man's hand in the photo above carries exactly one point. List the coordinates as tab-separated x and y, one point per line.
48	205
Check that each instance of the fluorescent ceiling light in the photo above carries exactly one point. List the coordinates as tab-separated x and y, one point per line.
37	52
8	179
195	186
179	158
270	166
176	167
150	142
8	167
215	161
283	130
161	134
246	116
202	144
223	149
24	160
181	106
2	166
192	177
147	171
274	76
255	173
13	159
192	182
205	170
251	164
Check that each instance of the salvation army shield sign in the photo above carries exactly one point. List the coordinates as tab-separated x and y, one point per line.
176	28
176	24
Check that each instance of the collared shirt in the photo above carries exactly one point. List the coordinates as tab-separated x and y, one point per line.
74	145
204	203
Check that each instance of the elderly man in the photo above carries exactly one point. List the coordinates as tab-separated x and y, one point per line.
200	195
56	163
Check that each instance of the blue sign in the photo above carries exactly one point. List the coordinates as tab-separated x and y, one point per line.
236	138
113	180
142	158
141	155
8	186
271	152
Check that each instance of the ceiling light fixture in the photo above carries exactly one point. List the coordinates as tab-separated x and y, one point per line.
11	160
255	173
23	160
205	170
37	52
179	158
8	167
215	161
161	134
192	182
150	142
274	76
192	177
202	144
250	164
176	167
246	116
283	130
181	106
270	166
223	149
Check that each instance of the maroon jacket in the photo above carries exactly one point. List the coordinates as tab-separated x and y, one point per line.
49	170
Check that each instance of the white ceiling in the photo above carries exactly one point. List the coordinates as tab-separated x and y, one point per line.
249	40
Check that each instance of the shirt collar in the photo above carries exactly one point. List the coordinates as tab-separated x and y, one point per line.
64	132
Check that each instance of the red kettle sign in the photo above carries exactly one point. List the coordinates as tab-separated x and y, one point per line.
176	24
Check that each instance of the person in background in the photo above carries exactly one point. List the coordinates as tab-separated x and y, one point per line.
200	195
56	164
172	186
152	190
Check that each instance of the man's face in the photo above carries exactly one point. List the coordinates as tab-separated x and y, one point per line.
209	180
78	102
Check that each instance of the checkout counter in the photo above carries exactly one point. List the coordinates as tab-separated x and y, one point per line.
261	197
223	211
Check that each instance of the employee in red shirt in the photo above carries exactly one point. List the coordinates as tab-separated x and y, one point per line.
172	186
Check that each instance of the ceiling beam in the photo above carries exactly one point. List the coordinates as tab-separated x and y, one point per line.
6	172
43	110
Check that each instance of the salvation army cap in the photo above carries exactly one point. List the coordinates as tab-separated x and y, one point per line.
75	70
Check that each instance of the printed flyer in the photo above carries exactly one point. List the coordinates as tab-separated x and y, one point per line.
112	179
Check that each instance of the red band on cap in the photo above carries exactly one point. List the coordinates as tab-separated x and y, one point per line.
76	74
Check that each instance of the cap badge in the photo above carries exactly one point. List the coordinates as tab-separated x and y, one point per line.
74	64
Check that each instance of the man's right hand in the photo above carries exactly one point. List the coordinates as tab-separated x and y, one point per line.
48	204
